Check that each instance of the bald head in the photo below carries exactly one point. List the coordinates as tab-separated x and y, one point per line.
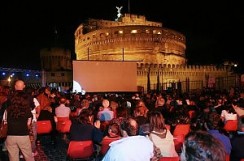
19	85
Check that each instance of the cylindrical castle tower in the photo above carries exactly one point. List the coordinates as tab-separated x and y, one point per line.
55	59
131	38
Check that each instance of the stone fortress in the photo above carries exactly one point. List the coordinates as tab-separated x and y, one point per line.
158	51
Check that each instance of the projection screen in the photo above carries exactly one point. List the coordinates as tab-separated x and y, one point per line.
104	76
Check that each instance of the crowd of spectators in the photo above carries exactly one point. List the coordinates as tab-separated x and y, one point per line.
133	117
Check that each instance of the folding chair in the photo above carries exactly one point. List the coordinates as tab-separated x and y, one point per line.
179	134
231	125
63	125
105	145
82	150
43	127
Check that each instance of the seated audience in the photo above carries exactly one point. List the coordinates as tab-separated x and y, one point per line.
131	146
140	115
113	134
84	129
228	114
237	141
214	126
62	110
106	114
202	146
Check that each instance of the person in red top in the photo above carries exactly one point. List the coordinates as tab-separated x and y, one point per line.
113	133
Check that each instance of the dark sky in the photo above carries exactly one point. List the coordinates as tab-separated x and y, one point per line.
214	30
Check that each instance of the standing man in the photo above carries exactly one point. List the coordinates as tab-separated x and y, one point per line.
19	118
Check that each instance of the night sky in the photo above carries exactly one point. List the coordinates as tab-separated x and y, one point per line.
214	30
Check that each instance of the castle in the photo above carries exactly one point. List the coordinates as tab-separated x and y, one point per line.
158	51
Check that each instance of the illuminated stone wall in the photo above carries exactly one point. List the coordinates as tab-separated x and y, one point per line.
133	38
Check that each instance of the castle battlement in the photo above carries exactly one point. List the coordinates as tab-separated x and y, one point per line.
181	67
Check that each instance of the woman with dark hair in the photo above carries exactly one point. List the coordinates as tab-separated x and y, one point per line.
160	135
19	117
84	129
200	145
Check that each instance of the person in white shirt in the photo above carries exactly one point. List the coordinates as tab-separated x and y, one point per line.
160	135
131	146
228	114
62	110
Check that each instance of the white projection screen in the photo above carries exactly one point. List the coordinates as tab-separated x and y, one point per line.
104	76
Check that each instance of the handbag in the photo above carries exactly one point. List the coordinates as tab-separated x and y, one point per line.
4	127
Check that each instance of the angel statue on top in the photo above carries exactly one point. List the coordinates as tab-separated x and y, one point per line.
119	12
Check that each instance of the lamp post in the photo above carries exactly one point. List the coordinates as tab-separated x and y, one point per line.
9	81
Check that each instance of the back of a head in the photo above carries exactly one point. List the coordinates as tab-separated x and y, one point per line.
114	130
214	121
105	103
156	121
200	145
19	85
85	116
130	126
62	100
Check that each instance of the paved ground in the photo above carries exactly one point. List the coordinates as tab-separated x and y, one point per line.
46	150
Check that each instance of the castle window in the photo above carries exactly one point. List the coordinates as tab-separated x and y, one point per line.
133	31
147	31
157	32
121	32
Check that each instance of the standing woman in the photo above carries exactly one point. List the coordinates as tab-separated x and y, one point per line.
19	118
160	135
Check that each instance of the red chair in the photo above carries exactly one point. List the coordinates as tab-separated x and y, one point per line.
231	125
104	125
43	127
178	141
192	113
179	133
170	158
80	150
63	124
62	118
227	157
181	129
105	144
